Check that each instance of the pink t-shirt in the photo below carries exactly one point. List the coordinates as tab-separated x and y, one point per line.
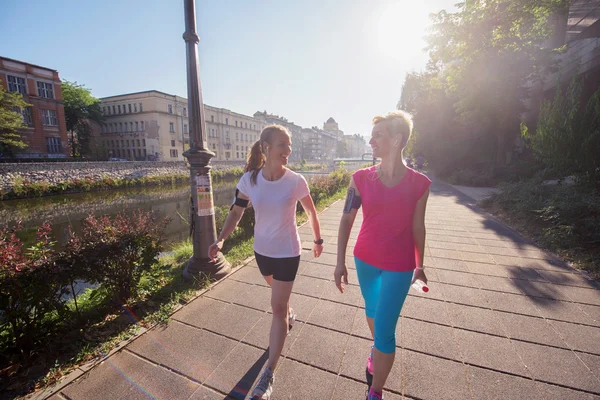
386	239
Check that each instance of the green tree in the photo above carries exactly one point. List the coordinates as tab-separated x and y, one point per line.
11	120
81	110
481	58
341	149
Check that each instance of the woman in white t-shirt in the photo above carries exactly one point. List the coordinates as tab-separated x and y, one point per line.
274	192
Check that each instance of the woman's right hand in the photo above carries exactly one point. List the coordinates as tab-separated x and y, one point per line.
341	273
214	249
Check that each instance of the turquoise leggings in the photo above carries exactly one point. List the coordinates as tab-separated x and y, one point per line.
384	293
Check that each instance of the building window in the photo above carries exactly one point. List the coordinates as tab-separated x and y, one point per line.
49	118
173	153
127	143
53	145
236	123
114	109
25	114
119	108
237	155
129	107
237	136
141	107
184	112
226	121
16	84
185	128
121	127
246	125
136	126
138	142
130	126
104	110
172	143
214	146
171	127
142	126
237	147
134	107
144	152
170	109
246	137
45	90
144	142
212	118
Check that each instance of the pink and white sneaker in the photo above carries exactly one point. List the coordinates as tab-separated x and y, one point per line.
370	362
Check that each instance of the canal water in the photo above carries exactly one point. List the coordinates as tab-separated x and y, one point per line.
64	211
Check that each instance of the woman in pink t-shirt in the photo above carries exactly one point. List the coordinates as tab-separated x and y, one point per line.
390	246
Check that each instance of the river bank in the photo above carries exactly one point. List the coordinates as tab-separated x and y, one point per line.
43	179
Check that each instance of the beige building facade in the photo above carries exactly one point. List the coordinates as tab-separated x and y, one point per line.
154	126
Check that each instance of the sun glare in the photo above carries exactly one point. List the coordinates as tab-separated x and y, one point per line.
400	27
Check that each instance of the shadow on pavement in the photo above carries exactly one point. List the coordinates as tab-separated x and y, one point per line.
242	388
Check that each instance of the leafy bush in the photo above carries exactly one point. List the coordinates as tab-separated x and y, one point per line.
29	287
567	137
563	218
116	251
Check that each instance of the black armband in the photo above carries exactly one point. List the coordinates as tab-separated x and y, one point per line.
352	201
239	202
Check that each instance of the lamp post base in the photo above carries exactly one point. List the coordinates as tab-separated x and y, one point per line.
197	268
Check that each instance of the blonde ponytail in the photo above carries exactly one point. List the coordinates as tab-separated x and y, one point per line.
256	160
257	157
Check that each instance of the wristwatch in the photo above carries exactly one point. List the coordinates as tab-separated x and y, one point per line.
320	241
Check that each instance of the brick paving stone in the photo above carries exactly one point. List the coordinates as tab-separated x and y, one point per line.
227	319
254	296
238	371
249	274
303	305
426	310
130	377
593	363
579	337
319	347
490	352
532	329
511	303
328	314
259	335
489	384
309	286
454	265
431	378
476	319
318	270
428	338
498	284
564	278
557	366
523	273
580	295
565	311
464	295
351	296
552	392
190	351
204	393
592	311
346	389
487	269
449	239
360	326
457	278
294	380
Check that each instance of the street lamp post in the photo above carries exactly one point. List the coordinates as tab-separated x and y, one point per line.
202	207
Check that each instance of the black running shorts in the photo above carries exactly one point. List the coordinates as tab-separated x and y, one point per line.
282	269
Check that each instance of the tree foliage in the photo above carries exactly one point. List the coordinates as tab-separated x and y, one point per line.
567	137
81	109
469	101
11	120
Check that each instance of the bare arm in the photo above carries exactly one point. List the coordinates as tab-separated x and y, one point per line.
309	208
418	229
232	221
346	223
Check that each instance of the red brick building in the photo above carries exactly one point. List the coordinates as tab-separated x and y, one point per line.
46	132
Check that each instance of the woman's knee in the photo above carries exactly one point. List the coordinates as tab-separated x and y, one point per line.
279	310
385	343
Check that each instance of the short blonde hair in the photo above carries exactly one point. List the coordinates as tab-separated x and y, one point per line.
399	123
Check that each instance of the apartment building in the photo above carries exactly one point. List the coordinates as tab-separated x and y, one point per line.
46	131
154	126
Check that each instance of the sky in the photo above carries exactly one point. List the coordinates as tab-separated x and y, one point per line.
307	60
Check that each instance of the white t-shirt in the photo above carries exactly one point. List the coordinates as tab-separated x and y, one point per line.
274	202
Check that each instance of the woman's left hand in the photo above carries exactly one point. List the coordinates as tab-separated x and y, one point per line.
317	250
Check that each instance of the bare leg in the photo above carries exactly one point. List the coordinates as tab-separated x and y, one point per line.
280	304
382	365
371	323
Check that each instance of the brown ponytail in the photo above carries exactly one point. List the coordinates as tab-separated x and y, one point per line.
257	157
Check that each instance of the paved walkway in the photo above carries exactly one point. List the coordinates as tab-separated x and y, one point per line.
503	320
